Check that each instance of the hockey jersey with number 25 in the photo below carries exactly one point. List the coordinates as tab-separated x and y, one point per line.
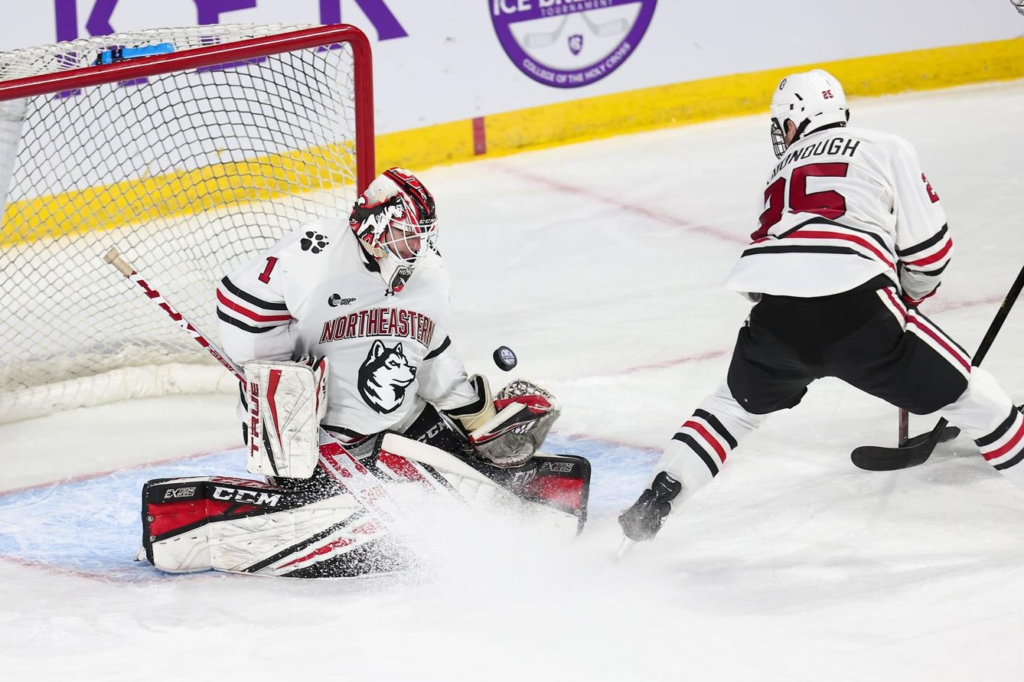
842	206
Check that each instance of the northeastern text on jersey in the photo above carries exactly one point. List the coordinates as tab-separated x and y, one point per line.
380	322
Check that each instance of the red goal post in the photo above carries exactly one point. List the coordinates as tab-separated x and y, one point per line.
189	150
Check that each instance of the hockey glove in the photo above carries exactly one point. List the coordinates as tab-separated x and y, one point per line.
470	417
525	414
507	430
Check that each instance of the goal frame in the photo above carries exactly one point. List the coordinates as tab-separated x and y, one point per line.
124	383
215	55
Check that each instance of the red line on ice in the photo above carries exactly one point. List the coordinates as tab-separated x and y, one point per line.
639	209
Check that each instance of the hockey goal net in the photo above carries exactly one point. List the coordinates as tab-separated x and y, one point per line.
189	150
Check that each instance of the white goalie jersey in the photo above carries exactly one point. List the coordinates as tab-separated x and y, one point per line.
842	206
316	293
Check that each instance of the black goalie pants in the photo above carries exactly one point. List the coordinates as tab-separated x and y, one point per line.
867	338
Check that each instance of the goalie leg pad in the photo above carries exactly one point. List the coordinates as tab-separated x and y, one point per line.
242	526
557	486
399	458
561	482
286	402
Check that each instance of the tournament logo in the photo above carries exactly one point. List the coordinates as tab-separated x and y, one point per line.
570	43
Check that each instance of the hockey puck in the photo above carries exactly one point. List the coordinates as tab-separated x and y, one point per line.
505	359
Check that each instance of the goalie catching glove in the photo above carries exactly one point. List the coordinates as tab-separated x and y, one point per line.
508	429
286	402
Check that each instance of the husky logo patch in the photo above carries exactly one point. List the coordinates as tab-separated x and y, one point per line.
384	376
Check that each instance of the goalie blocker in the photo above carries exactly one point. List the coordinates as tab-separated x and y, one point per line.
286	403
313	529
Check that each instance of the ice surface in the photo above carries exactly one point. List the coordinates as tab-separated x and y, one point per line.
601	265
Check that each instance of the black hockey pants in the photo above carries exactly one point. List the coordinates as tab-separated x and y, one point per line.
855	336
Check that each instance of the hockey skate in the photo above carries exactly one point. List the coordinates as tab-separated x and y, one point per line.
643	520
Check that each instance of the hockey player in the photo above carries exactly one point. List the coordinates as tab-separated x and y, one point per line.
342	329
851	240
368	298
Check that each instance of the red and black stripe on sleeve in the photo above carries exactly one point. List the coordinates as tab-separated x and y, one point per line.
247	312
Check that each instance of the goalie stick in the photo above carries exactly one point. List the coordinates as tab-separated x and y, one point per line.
917	450
335	460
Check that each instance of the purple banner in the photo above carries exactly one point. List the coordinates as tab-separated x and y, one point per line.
209	11
570	43
376	11
98	23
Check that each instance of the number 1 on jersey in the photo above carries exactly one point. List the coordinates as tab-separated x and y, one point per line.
265	276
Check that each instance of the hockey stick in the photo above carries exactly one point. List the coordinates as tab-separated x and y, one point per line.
917	450
904	438
546	39
335	460
606	28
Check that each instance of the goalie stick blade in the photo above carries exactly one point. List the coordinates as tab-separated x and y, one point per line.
914	452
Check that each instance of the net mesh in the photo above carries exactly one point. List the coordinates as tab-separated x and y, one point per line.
187	174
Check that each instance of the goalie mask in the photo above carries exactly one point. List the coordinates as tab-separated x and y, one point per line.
811	100
396	222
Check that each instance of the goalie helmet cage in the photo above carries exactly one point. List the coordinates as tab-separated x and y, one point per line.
189	150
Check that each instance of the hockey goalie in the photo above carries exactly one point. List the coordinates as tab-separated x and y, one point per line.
342	331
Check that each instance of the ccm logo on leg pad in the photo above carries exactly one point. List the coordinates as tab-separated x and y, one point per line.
260	498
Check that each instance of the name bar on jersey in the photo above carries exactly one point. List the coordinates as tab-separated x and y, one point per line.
833	146
380	322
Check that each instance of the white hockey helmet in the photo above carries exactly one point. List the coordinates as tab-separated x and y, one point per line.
395	220
811	100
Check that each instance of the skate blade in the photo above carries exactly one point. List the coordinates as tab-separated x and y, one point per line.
624	548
